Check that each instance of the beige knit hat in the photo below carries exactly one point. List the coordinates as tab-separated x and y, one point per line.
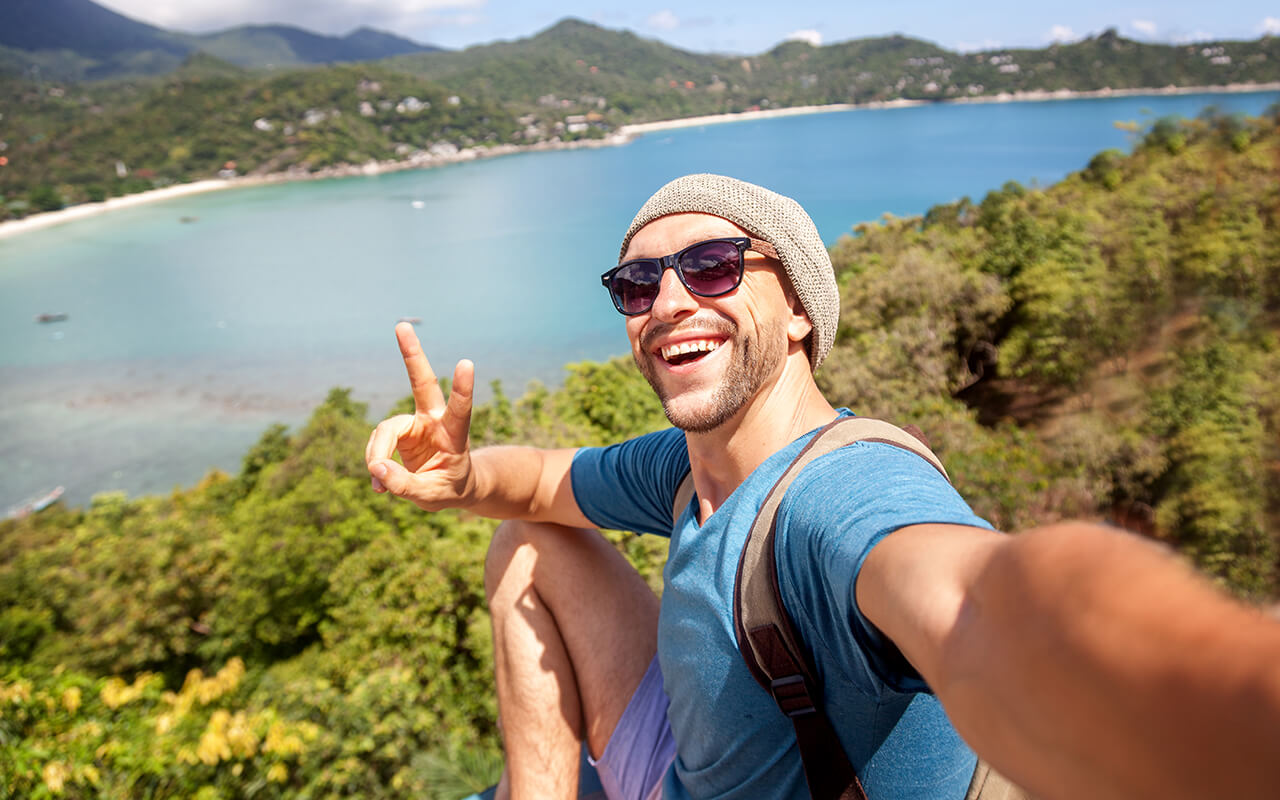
767	215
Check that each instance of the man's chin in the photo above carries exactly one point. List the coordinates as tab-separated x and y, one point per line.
700	412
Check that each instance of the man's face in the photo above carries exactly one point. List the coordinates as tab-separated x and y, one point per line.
707	357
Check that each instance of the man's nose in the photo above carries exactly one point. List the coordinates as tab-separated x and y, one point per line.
673	301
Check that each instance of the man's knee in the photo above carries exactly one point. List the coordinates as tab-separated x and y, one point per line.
524	544
503	547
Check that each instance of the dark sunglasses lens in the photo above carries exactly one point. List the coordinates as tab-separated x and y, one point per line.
635	286
712	269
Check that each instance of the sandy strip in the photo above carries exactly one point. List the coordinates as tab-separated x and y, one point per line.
740	116
624	134
1040	95
417	161
49	218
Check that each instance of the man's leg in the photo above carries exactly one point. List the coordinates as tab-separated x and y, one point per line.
574	628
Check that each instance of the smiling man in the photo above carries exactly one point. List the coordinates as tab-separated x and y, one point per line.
1046	649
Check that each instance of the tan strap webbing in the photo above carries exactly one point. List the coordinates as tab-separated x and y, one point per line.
757	601
684	493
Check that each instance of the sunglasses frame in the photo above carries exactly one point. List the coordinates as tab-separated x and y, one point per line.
743	243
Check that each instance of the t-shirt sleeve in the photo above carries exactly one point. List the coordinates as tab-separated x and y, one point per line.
631	486
836	510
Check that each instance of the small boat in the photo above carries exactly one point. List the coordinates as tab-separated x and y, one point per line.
60	316
35	504
411	320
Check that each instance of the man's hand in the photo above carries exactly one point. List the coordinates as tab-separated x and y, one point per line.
432	441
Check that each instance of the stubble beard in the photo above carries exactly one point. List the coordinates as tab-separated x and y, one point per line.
753	361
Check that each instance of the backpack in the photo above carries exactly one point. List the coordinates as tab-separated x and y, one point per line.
770	644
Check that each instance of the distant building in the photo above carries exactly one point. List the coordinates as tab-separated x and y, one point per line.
412	105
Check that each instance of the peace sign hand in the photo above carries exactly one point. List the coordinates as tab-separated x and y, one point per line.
432	441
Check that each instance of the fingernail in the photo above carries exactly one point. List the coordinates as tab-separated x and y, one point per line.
377	485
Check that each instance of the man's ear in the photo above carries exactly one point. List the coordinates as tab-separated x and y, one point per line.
799	326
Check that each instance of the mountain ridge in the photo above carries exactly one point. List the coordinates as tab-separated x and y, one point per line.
79	39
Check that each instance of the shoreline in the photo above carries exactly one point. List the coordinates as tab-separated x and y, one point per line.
420	160
623	135
1031	96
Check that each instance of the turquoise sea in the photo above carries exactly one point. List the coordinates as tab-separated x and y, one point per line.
186	339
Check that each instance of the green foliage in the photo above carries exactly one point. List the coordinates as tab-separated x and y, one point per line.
1212	496
1167	133
348	630
1064	308
45	198
1109	334
195	123
1104	169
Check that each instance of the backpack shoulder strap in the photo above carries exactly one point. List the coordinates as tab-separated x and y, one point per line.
684	493
987	784
766	635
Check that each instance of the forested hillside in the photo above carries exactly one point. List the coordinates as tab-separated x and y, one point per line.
63	143
1103	348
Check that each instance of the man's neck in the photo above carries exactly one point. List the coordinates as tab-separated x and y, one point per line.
720	460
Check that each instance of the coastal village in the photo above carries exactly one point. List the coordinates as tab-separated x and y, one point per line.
372	124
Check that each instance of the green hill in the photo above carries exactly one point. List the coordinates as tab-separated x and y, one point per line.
645	79
64	139
79	39
285	46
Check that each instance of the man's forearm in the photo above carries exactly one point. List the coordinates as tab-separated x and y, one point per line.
1084	662
525	483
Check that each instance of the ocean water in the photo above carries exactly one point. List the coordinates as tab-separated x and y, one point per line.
185	339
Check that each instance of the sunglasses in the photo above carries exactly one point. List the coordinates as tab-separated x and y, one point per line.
707	269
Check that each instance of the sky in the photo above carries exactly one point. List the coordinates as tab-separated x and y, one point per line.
736	26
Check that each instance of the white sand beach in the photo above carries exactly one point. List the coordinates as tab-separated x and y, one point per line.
417	161
1066	94
623	135
49	218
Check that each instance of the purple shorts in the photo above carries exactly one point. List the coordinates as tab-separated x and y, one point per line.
641	749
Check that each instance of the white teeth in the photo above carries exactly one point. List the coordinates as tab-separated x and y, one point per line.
695	346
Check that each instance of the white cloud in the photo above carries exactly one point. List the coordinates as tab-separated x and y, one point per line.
321	16
664	20
1271	26
1061	33
809	35
1144	26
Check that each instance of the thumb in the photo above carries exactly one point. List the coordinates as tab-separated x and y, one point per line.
389	476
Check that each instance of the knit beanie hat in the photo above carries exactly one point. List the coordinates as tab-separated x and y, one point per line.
767	215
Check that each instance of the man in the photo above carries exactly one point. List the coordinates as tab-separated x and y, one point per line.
1081	662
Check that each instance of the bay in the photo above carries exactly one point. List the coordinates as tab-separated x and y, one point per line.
186	339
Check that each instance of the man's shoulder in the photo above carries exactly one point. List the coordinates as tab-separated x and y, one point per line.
867	481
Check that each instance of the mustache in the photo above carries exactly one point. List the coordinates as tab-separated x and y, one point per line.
659	330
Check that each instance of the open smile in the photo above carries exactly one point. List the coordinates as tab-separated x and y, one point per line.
688	351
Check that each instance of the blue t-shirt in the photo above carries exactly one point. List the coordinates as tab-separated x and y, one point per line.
731	739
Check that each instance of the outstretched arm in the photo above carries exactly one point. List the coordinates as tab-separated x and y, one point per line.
441	471
1084	662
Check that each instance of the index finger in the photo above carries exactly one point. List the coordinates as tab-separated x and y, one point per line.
426	389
